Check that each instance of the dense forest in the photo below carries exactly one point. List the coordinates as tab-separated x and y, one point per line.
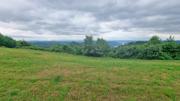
155	48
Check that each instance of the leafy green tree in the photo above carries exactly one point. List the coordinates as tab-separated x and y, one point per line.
77	48
92	48
7	41
68	49
88	46
102	47
1	40
170	39
155	40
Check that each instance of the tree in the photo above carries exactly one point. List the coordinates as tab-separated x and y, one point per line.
154	40
102	46
88	46
1	40
7	41
92	48
170	39
67	49
76	48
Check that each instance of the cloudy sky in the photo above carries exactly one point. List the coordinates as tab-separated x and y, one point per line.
73	19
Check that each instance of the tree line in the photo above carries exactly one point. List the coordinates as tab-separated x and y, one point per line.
155	48
152	49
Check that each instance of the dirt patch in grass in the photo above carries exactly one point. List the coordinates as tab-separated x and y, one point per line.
54	71
64	71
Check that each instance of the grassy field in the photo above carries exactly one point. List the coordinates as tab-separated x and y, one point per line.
28	75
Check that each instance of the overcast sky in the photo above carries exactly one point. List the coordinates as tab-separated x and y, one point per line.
73	19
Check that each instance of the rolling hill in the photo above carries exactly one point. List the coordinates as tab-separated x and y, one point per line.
29	75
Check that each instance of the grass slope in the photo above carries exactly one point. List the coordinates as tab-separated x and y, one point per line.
28	75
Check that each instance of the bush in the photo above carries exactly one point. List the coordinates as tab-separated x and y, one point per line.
22	44
152	52
171	48
165	56
56	48
127	51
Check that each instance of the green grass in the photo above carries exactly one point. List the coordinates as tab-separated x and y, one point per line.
28	75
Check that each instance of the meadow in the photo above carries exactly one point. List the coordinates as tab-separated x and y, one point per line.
31	75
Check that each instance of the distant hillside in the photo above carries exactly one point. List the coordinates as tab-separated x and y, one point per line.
178	41
111	43
50	43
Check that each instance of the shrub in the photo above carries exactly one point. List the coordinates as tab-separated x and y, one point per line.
22	44
171	48
152	52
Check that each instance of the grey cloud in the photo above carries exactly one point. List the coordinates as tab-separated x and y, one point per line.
80	17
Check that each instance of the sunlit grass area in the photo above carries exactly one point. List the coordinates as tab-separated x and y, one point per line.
29	75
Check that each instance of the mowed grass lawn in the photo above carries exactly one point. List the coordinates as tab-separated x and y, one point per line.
29	75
